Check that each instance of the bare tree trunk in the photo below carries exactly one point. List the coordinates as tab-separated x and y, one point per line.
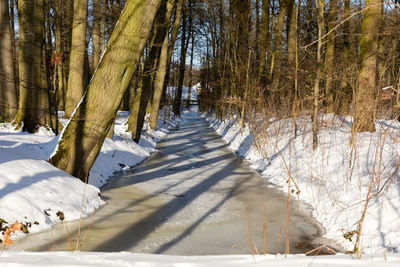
14	47
174	35
190	74
365	91
275	71
76	77
292	35
33	107
103	27
330	56
46	96
68	19
264	41
8	97
83	137
59	56
182	66
345	56
321	27
165	58
309	24
151	65
96	34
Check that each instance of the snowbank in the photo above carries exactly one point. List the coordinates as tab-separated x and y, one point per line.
20	259
39	195
334	179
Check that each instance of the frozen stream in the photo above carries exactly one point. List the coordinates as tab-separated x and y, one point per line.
190	198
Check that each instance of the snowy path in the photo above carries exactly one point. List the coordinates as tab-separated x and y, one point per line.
188	199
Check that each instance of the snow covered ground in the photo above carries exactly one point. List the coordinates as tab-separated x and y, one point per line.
38	195
19	259
335	178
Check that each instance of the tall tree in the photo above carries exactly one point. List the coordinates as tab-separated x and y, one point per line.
241	11
264	40
96	34
275	71
8	98
292	35
59	55
365	91
321	27
33	107
330	56
152	61
345	56
76	78
182	64
165	58
83	137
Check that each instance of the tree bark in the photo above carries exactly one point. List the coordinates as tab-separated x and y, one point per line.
345	56
174	36
264	41
59	56
8	98
83	137
321	27
68	20
365	91
103	30
96	34
76	83
33	106
163	68
292	35
190	74
275	72
330	56
138	112
182	67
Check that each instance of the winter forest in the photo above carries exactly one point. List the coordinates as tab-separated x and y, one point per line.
306	93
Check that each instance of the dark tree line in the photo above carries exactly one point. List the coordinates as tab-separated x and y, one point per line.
292	57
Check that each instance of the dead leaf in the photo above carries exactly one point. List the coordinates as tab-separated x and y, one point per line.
10	230
60	215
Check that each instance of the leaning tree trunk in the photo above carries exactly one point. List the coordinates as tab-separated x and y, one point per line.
143	94
165	57
8	98
76	79
83	137
174	36
364	99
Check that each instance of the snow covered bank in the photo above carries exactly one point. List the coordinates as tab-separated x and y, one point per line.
335	178
37	194
13	259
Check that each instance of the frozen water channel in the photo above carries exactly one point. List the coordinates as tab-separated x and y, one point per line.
190	198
